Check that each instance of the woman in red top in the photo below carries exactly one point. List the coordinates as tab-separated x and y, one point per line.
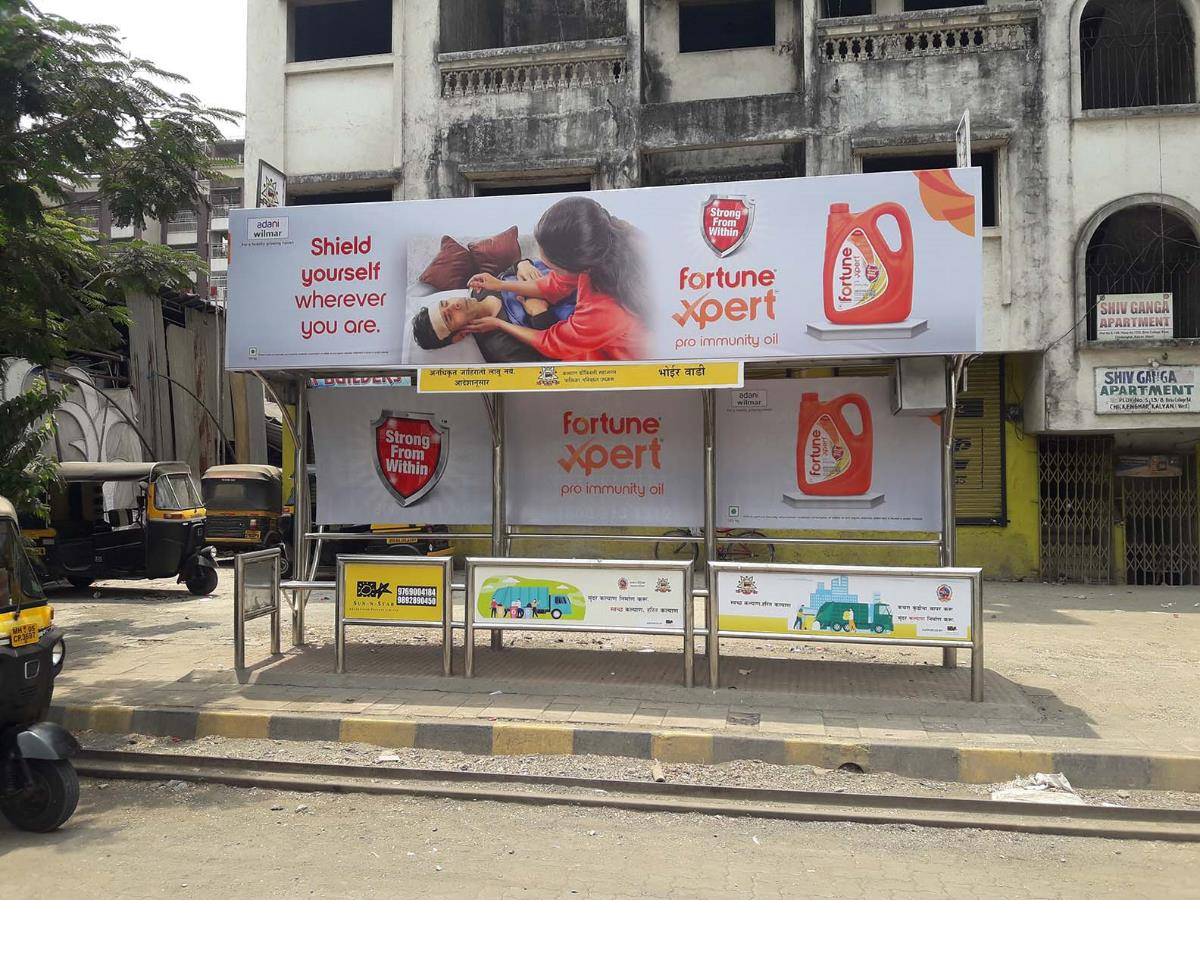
597	257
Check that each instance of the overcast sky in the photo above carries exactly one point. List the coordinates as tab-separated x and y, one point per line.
204	40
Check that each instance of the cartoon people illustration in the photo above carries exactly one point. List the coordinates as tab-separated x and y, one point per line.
595	257
848	620
495	607
798	624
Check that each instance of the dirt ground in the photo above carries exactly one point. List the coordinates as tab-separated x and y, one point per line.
158	840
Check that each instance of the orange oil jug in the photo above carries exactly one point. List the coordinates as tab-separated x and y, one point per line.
831	460
865	280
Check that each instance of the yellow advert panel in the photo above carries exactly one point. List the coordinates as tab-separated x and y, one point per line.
581	377
384	592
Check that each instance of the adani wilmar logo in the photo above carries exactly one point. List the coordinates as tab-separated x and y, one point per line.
411	451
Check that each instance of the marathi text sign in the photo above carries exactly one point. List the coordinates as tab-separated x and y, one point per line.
582	377
393	592
519	595
1147	391
1135	316
837	603
839	266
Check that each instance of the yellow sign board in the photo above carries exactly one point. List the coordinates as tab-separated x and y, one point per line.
385	592
581	377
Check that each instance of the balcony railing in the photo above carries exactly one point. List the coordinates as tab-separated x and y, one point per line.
533	68
221	209
901	37
182	221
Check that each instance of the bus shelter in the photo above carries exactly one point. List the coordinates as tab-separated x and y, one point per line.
755	437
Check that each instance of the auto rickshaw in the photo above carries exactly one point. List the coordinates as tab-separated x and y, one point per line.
125	520
244	504
39	788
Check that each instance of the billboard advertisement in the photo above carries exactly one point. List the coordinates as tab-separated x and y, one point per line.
836	603
384	592
811	267
520	595
603	459
389	455
825	453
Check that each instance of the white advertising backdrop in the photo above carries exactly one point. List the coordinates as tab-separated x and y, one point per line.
351	485
739	271
760	430
605	459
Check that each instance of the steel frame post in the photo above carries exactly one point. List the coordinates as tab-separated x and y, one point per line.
448	618
239	615
499	511
276	601
469	624
339	626
977	639
949	654
711	642
303	507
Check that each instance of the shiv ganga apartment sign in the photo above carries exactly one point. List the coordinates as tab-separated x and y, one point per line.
1135	316
1148	390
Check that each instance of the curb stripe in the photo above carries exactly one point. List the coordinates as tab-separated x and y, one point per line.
969	764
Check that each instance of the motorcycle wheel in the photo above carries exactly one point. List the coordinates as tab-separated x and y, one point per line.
80	582
203	581
49	802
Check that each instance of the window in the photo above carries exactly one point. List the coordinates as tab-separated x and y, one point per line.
1146	249
705	26
1136	53
176	491
341	30
341	197
847	8
984	159
917	5
498	189
18	583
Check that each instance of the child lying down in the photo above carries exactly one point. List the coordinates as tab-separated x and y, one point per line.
450	320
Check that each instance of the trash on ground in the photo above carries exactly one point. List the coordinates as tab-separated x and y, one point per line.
1041	787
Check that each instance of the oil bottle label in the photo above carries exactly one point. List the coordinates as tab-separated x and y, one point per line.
859	277
826	453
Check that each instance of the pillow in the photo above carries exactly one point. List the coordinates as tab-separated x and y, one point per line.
497	253
450	268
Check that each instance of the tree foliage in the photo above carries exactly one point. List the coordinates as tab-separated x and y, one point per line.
77	110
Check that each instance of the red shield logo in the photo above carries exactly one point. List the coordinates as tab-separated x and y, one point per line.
410	453
725	222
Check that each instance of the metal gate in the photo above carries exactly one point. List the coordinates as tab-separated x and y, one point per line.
1076	493
1159	505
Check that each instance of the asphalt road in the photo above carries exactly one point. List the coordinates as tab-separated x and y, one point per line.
156	840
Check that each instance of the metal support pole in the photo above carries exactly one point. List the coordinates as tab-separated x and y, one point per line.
949	654
499	513
977	638
447	618
276	600
469	623
303	510
710	535
689	628
239	615
339	627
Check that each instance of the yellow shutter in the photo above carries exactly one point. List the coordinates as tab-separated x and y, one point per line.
978	440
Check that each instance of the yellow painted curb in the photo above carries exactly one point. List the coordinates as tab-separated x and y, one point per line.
388	733
510	739
980	764
232	724
681	747
115	719
1181	773
826	755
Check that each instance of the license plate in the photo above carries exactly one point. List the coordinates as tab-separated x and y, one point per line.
401	540
253	535
34	551
23	634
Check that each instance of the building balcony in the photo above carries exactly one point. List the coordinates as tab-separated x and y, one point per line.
533	68
933	34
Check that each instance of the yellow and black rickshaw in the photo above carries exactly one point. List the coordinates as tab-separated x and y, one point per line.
244	502
124	520
38	785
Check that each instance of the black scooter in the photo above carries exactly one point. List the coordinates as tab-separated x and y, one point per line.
39	788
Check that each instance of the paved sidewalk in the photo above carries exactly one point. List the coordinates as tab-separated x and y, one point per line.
1099	682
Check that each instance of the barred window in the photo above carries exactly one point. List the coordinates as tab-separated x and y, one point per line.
1146	249
1136	53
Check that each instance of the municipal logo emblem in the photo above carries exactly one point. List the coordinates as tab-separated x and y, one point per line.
945	593
411	450
725	223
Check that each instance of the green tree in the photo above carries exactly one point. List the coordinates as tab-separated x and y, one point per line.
76	109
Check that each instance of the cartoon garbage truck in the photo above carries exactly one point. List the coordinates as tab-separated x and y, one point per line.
851	617
532	600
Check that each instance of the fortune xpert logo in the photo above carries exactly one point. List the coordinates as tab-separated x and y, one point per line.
725	223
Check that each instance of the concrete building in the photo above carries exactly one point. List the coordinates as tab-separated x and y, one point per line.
1085	122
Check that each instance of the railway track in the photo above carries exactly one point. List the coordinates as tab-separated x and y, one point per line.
1121	823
